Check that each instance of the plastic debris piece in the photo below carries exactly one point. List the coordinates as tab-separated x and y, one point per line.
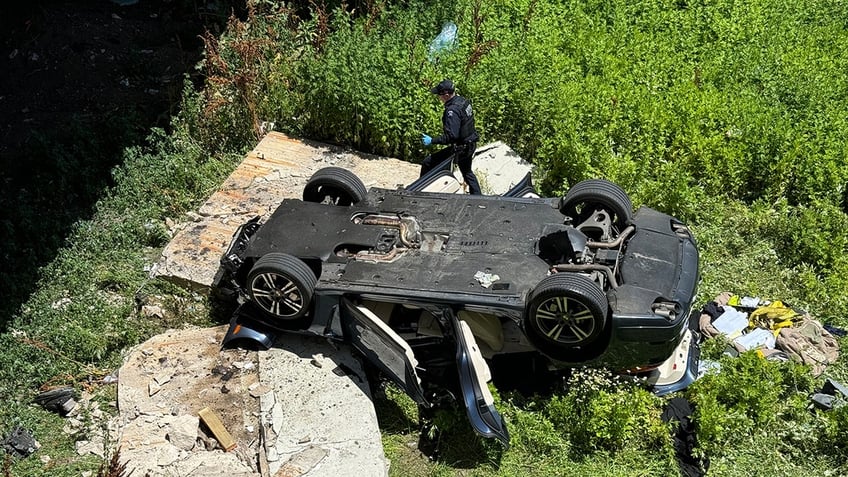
58	400
706	366
20	443
486	279
757	338
731	322
443	43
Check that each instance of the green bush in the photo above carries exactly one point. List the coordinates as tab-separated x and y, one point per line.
836	433
749	395
601	412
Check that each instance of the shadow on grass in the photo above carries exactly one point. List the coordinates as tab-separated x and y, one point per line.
82	81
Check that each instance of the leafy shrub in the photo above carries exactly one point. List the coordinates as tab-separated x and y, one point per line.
748	395
599	411
836	432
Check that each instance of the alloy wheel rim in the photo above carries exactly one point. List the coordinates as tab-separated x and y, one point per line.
277	294
565	320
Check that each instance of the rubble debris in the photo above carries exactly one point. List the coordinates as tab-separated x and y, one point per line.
257	390
302	462
20	443
182	432
59	400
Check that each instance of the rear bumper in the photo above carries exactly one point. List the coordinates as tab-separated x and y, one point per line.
681	368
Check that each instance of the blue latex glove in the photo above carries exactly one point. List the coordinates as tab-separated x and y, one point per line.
426	140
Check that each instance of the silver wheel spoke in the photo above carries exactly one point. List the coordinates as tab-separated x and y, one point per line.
579	333
260	293
545	314
562	304
555	331
585	315
295	306
269	280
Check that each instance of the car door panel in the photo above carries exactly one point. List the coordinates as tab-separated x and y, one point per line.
382	347
474	375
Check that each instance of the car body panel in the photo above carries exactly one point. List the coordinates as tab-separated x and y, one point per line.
398	271
474	374
382	346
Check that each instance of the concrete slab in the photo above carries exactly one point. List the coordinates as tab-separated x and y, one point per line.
162	385
303	407
499	168
319	420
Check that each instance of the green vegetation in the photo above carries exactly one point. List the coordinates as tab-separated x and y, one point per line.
729	115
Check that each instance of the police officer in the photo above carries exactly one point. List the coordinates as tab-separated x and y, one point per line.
459	133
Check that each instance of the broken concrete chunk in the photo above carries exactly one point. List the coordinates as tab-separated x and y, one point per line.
94	446
257	391
152	311
302	462
182	432
164	377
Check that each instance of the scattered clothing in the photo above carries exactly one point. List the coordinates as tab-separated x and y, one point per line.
835	331
768	328
685	440
809	343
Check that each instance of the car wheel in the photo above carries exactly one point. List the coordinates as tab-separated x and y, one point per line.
281	285
565	311
589	197
334	186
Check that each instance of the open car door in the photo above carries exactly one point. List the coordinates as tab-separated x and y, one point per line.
383	347
473	375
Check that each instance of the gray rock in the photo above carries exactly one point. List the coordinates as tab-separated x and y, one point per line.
182	432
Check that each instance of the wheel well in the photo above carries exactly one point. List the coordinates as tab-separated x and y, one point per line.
314	264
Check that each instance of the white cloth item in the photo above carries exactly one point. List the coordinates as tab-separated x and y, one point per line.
758	338
731	322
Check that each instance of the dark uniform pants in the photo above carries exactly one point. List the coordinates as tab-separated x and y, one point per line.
463	155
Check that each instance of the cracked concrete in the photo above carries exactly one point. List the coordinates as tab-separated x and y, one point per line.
319	420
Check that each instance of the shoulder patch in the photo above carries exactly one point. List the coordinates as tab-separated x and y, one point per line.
450	112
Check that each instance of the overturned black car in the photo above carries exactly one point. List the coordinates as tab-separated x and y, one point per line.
432	287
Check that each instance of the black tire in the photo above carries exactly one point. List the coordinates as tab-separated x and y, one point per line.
281	285
585	197
565	311
335	186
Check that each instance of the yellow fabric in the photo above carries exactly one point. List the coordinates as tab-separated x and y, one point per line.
773	317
